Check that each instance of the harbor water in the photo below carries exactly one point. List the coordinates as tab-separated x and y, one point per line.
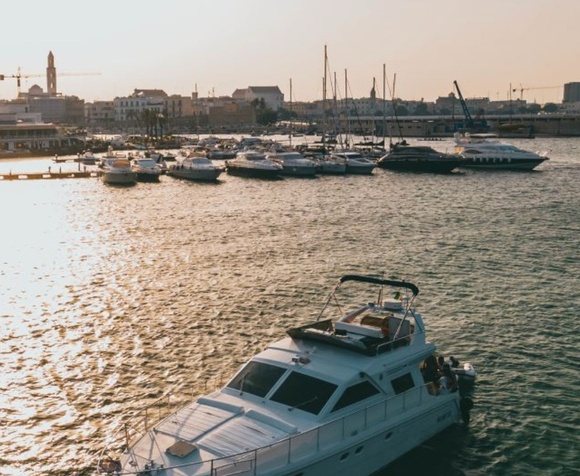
111	296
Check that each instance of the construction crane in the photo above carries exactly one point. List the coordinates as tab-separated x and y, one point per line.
468	118
477	125
19	76
522	89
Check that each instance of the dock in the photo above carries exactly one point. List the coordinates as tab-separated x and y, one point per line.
48	175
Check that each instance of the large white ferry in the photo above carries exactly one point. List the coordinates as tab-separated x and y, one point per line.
345	395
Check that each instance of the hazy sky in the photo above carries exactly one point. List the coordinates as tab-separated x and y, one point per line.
218	46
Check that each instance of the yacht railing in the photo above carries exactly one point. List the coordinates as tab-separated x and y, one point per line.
296	447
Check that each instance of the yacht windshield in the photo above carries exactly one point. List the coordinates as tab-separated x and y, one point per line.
356	393
257	378
306	393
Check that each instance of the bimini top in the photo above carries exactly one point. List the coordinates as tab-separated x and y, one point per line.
372	329
384	282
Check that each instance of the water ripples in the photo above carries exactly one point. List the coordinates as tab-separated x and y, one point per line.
112	296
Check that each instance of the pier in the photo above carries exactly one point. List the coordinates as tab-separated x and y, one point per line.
48	175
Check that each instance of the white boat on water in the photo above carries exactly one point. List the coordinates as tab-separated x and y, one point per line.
87	158
117	172
111	154
145	169
344	395
330	165
356	163
294	163
485	151
252	163
196	168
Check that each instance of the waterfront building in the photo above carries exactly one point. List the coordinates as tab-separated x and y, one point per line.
99	113
131	108
58	109
24	134
271	95
571	92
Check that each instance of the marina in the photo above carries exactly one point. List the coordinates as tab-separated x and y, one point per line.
114	298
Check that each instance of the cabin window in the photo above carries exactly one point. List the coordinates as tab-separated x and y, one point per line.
402	384
356	393
304	392
257	378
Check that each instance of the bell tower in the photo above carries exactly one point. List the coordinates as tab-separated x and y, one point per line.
51	76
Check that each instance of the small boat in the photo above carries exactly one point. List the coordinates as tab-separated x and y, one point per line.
87	158
195	168
145	169
344	395
111	154
117	172
485	151
294	164
418	158
356	163
251	163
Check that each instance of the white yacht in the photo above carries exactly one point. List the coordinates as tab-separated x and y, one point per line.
145	169
251	163
294	163
117	172
344	395
356	163
485	151
195	168
330	165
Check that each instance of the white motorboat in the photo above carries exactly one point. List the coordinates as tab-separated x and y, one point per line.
485	151
87	158
345	395
145	169
330	165
111	154
356	163
117	172
251	163
294	164
196	168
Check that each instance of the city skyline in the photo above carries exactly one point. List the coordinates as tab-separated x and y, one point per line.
216	46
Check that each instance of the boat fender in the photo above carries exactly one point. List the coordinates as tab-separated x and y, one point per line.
465	405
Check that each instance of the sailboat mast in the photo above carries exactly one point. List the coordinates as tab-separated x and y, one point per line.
384	103
291	116
347	140
324	101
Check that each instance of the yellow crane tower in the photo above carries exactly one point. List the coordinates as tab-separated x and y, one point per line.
522	89
19	76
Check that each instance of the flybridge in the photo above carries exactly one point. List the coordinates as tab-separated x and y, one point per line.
372	329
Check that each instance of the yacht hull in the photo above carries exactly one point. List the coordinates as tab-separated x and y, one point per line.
199	175
502	164
250	172
118	179
420	165
147	176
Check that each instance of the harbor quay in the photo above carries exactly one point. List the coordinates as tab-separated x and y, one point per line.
432	126
517	125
